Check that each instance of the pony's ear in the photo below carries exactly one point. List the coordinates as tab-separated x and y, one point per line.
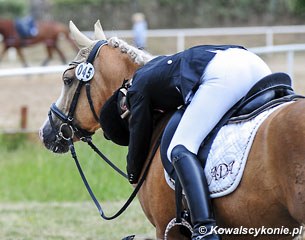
98	31
81	39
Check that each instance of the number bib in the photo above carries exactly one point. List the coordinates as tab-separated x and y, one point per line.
84	71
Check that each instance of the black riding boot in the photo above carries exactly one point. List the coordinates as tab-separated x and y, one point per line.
193	181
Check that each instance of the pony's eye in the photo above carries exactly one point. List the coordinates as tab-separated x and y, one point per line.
67	81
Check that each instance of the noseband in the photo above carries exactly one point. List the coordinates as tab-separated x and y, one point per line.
84	72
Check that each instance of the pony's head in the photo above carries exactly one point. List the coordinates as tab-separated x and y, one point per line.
99	68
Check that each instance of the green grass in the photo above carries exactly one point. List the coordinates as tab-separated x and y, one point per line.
29	172
67	221
42	195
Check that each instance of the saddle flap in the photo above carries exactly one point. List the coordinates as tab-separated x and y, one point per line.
166	139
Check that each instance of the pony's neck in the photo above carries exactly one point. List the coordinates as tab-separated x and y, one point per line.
120	64
114	68
113	65
117	68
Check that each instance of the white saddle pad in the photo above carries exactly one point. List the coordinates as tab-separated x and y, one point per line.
228	155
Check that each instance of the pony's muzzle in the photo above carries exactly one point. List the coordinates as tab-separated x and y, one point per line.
52	141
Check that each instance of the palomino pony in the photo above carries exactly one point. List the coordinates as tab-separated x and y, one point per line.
272	191
48	34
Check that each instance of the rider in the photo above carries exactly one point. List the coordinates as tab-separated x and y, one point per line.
207	79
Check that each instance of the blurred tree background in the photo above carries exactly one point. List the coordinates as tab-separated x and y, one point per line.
116	14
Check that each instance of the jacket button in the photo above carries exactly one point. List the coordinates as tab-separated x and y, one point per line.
169	61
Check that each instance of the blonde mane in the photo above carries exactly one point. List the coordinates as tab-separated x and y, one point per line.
140	57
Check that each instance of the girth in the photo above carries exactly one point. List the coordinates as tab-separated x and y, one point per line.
270	91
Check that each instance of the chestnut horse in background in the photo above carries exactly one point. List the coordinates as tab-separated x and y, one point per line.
48	34
272	191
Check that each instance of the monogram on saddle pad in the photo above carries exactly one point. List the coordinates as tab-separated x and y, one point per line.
224	152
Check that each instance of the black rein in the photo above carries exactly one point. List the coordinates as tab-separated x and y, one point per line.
68	129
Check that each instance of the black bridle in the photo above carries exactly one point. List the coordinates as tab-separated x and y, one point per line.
68	129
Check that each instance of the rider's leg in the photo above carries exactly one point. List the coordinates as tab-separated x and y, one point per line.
194	184
228	77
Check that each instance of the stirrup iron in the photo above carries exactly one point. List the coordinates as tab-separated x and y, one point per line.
174	223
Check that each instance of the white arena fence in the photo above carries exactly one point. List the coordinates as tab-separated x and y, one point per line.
13	72
288	49
181	34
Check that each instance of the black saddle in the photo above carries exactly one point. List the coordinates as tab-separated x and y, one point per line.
270	91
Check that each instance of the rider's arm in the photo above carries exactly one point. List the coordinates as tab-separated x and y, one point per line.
140	127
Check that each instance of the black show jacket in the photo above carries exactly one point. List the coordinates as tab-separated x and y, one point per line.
163	83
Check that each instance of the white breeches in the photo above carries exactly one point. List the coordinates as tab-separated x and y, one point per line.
227	78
